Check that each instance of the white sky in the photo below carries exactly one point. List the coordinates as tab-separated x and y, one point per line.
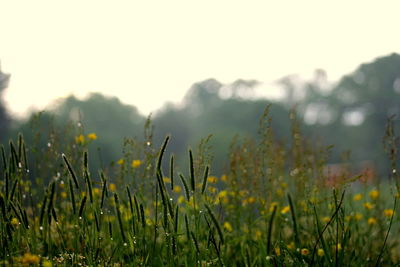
149	52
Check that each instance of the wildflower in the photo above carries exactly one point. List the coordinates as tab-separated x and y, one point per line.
304	252
47	263
64	194
374	194
357	197
80	139
285	209
337	247
249	200
368	206
358	216
371	221
120	161
30	258
277	251
212	189
14	221
212	179
177	189
136	163
113	187
291	245
388	212
257	235
326	219
223	194
181	199
167	180
228	226
96	191
92	136
273	205
320	252
224	178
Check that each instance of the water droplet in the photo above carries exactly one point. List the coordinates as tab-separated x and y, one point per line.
41	228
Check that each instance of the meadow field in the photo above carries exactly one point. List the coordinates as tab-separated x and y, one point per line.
277	204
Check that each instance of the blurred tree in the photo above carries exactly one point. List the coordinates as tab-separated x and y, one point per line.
4	118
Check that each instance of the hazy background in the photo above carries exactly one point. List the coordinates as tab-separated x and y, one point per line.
219	62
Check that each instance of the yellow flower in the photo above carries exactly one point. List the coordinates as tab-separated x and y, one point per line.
291	245
249	200
181	199
30	258
388	212
167	180
92	136
212	189
224	178
358	216
374	194
326	219
136	163
177	189
212	179
113	187
285	209
120	161
320	252
257	235
222	194
228	226
80	139
357	197
64	194
47	263
278	251
368	206
338	247
371	221
14	221
304	252
273	205
96	191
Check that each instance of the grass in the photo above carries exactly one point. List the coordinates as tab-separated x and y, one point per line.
275	206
